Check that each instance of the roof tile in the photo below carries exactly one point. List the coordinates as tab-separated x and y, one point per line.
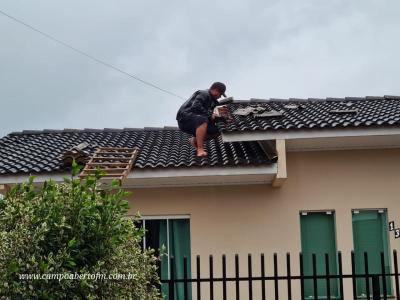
315	113
39	151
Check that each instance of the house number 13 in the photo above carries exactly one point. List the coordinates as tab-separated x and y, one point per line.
392	227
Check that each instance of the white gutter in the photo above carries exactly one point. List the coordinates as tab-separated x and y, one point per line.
193	176
39	178
196	172
307	133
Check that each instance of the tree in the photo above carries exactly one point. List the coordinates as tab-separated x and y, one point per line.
72	229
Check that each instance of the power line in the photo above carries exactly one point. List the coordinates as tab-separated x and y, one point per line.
90	56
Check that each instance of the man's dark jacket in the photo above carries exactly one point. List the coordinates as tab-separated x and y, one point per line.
200	103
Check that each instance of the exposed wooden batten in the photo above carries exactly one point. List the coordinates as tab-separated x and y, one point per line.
115	163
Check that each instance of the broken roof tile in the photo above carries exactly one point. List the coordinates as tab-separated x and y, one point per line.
291	106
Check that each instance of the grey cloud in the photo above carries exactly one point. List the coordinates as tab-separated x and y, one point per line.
259	48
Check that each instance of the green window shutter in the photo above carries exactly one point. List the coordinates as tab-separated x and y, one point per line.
318	236
370	235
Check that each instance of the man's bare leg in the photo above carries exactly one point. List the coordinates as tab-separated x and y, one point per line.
201	133
193	142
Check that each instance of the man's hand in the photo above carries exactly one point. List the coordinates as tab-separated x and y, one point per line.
224	113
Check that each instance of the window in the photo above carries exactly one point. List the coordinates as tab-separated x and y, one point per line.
173	234
370	235
318	236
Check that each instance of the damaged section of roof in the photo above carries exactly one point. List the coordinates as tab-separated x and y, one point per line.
312	113
114	162
80	153
257	111
43	151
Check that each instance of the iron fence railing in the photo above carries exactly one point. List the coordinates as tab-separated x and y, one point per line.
375	283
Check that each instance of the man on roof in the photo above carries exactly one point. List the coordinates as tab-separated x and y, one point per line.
196	116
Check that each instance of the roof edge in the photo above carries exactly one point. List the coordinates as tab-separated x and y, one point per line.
170	177
246	136
328	99
73	130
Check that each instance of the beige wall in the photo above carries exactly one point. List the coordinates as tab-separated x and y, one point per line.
261	219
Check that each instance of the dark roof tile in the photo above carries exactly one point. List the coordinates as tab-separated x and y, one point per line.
316	113
39	151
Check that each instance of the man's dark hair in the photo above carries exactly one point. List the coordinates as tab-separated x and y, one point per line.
220	87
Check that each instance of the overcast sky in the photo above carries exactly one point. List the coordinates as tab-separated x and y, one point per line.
260	49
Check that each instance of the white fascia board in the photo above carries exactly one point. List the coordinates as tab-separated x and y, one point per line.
307	134
196	172
345	143
39	178
215	176
175	177
196	181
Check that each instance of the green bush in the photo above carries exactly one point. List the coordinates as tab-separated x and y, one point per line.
72	228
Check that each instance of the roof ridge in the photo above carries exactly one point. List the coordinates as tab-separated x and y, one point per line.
327	99
73	130
170	128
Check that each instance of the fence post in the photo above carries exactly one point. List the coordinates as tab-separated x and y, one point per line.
198	277
211	267
315	282
172	279
328	279
288	274
366	276
376	293
276	276
237	286
353	273
250	275
263	276
185	278
301	275
223	277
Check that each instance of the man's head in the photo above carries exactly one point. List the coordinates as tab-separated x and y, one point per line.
217	90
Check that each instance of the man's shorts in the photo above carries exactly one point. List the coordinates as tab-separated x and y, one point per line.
189	123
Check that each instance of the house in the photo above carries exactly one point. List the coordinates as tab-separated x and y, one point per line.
287	175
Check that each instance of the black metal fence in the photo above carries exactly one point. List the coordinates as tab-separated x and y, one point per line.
375	283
